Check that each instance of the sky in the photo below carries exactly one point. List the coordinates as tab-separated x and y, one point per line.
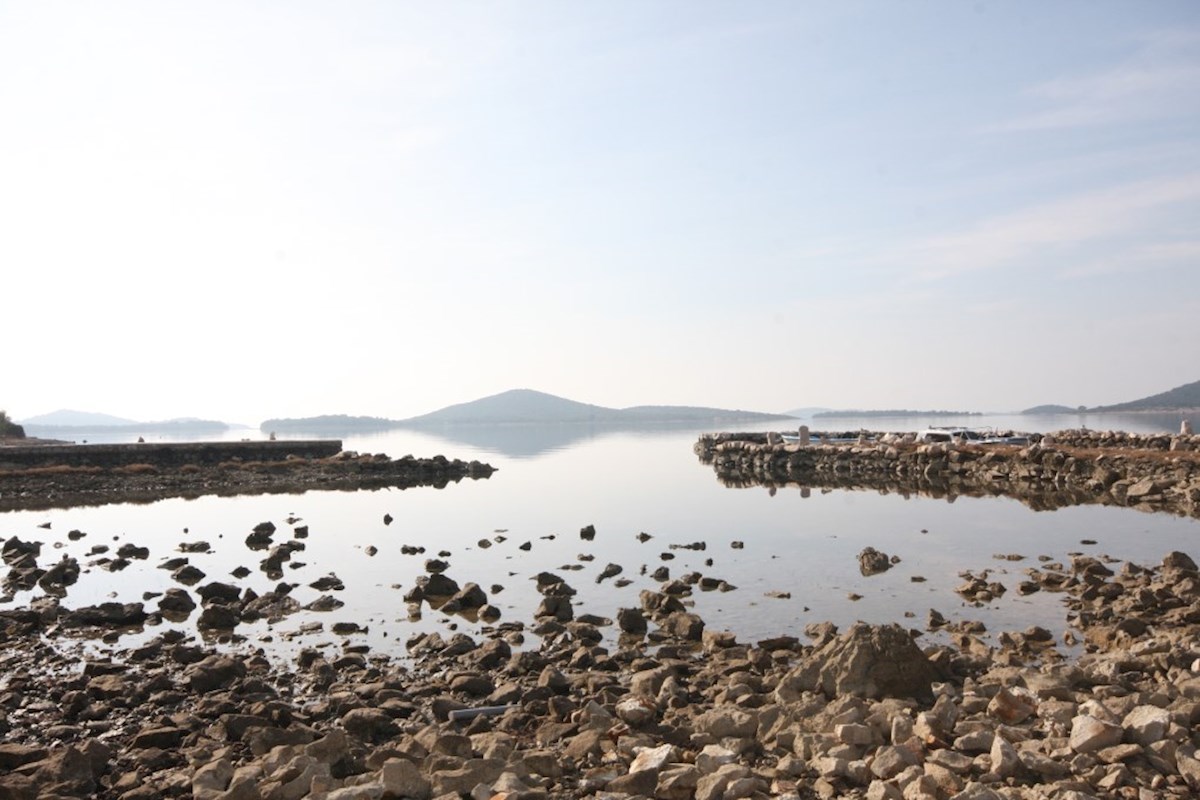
245	210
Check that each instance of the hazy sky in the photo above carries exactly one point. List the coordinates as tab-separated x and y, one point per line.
239	210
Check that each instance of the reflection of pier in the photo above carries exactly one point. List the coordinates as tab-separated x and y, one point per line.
1042	476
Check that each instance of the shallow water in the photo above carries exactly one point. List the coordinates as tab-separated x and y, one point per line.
623	483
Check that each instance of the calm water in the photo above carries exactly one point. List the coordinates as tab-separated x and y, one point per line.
552	481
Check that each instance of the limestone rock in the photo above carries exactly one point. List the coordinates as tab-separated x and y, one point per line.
870	661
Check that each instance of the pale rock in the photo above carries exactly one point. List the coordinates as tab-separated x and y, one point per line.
1004	758
713	757
830	766
654	758
947	782
952	760
1012	706
212	779
465	778
854	734
928	727
977	791
677	783
1042	765
891	760
1188	766
712	787
365	791
401	778
901	729
636	710
1089	734
923	788
1146	724
742	787
722	723
879	790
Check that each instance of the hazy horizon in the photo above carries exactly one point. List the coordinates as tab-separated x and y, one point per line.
241	212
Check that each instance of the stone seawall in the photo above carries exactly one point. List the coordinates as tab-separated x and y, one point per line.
163	454
52	476
1112	469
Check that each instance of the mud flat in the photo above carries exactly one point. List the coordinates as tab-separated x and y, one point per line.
1152	473
61	476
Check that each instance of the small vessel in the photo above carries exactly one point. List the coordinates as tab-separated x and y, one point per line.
970	436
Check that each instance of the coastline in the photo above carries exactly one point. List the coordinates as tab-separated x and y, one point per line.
567	703
674	710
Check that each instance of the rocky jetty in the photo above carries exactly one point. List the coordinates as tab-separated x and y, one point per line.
61	476
1155	473
661	707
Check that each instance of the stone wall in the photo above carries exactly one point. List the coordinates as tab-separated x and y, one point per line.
1099	470
173	454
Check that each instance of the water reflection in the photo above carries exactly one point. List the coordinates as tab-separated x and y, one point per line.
793	556
514	440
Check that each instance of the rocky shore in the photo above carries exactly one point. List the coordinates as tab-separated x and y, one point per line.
671	709
1153	473
62	476
163	698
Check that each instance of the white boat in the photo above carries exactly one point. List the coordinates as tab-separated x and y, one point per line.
969	436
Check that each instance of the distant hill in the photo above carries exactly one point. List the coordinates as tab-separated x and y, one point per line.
529	406
807	411
65	417
327	422
66	422
894	413
1050	409
525	406
1181	398
517	405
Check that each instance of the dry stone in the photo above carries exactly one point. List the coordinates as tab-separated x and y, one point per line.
871	661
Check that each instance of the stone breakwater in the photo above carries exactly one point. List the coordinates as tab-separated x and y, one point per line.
1155	473
675	711
61	476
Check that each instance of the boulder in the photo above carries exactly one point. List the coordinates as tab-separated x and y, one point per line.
870	661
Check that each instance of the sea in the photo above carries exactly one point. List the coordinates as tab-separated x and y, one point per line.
780	558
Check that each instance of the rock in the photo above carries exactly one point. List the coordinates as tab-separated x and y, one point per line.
713	757
107	615
873	562
682	625
1089	734
1012	706
631	620
471	596
368	724
462	780
866	661
214	672
1146	725
637	710
714	786
217	617
724	722
212	779
176	601
401	778
891	760
165	737
1004	758
610	571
